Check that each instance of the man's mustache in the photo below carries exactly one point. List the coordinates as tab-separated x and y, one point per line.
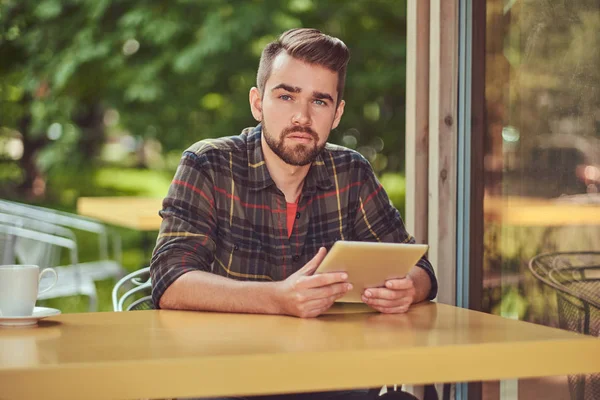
301	129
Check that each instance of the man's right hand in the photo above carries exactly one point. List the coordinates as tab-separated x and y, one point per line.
306	295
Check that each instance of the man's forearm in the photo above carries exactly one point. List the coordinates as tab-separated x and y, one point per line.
198	290
422	283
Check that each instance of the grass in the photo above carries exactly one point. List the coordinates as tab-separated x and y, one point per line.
142	182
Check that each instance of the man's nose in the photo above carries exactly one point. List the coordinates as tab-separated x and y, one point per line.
302	115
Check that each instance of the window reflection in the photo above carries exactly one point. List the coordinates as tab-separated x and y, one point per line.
542	162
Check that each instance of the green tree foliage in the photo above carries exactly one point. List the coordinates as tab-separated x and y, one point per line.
180	71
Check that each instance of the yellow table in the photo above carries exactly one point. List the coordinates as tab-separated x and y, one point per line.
150	354
139	213
523	211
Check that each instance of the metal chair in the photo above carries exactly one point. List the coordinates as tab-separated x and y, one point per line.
73	280
36	225
7	245
576	278
133	292
26	246
106	265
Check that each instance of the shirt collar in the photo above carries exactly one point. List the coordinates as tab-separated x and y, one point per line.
258	174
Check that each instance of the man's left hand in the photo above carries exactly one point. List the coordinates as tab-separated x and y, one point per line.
395	298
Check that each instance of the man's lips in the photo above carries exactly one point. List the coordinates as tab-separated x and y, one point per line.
299	135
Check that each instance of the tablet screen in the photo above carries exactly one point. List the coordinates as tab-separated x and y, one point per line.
370	264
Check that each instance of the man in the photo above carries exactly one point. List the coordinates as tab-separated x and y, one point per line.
249	218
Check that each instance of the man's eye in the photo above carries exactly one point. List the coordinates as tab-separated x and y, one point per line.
285	97
320	102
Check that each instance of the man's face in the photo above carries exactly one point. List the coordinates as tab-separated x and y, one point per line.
297	109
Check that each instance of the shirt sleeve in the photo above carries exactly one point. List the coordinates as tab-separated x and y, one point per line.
186	240
377	220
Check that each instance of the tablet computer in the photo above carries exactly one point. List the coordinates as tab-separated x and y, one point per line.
370	264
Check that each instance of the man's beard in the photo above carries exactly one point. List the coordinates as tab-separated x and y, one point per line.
299	154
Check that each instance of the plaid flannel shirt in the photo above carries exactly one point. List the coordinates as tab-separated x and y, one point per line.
223	213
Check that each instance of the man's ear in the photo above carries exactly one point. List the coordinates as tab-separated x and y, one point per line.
256	104
338	114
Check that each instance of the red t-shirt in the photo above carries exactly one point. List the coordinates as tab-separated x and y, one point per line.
292	208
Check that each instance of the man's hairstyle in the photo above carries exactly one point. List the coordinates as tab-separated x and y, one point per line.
310	46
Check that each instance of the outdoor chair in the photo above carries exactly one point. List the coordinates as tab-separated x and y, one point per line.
576	278
7	249
71	279
106	265
133	292
36	225
25	246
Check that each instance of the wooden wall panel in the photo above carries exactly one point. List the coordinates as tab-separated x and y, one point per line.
443	98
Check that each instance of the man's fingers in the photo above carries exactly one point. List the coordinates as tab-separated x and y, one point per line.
400	284
322	304
320	280
318	303
313	313
330	290
383	293
313	298
310	267
401	302
328	301
315	308
320	310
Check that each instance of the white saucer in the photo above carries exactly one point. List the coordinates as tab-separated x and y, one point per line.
30	320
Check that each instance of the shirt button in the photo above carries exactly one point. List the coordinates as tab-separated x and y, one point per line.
296	257
297	215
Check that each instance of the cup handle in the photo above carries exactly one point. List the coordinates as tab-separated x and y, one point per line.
51	271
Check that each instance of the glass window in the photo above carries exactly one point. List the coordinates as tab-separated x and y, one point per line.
542	174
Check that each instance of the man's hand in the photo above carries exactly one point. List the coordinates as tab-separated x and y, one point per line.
396	297
306	295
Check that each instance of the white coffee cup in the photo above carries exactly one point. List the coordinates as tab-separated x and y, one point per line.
19	288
